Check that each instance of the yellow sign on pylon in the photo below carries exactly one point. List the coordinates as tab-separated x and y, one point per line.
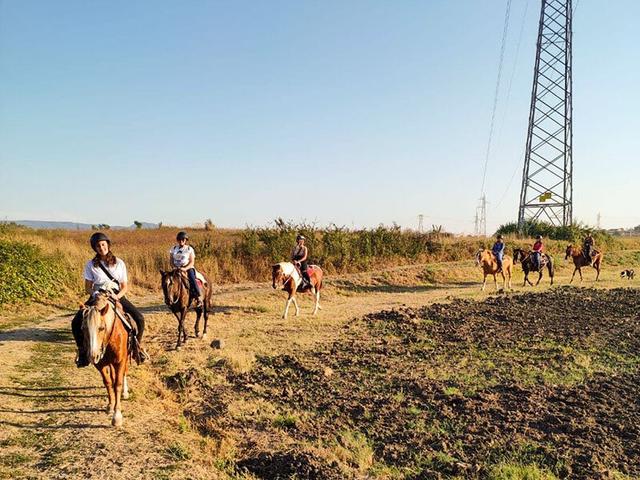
545	196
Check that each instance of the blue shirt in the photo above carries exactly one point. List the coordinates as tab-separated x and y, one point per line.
498	249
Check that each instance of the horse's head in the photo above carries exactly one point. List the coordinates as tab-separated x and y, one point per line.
518	255
479	256
171	285
569	252
277	275
97	323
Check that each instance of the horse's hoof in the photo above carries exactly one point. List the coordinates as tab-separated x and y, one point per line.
204	335
125	395
110	410
178	348
116	421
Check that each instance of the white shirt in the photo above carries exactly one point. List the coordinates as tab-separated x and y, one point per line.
98	277
181	255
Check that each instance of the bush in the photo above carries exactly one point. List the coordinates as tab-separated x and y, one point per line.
573	233
27	274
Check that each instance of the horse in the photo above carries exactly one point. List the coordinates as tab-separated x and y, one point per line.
487	260
286	275
520	255
579	261
177	296
107	348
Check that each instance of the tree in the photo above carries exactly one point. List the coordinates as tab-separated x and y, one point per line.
137	224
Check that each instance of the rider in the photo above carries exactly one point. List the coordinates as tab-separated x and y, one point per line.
498	251
588	246
105	272
536	255
183	257
299	256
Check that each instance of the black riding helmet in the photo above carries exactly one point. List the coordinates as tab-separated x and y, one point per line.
182	235
300	237
98	237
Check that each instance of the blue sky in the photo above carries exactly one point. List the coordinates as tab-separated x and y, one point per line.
353	112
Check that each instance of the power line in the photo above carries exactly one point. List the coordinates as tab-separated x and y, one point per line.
505	30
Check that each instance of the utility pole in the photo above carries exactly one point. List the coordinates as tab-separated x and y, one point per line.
421	223
547	177
481	217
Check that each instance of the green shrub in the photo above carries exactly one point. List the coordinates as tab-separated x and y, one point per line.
572	233
27	274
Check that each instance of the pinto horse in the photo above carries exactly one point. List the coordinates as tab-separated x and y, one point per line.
579	261
520	255
286	275
177	296
487	260
107	346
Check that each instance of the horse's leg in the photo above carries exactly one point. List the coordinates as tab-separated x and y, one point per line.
295	304
206	315
198	315
574	274
286	307
315	310
495	281
539	277
178	343
105	371
484	282
119	368
580	272
504	279
125	388
185	311
509	275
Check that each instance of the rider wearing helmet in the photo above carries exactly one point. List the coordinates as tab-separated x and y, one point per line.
107	273
299	256
498	251
183	257
588	246
536	255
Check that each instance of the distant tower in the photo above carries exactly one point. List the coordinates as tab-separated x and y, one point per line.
547	187
481	217
421	223
598	221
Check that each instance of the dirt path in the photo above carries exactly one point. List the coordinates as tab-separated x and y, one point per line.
52	414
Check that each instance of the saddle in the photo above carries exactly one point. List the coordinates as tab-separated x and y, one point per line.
303	287
133	346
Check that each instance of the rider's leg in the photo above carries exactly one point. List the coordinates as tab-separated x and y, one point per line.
193	285
499	260
305	273
76	328
129	308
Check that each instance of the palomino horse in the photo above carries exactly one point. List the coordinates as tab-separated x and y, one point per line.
106	340
287	275
177	296
520	255
487	260
579	261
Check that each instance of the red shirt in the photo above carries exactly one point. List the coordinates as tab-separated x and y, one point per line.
537	247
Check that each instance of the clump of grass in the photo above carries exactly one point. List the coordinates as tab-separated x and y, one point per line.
354	449
285	421
510	471
178	451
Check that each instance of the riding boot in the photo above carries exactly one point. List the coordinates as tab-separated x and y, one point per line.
81	359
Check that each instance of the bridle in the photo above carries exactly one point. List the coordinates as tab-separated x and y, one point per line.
105	342
169	298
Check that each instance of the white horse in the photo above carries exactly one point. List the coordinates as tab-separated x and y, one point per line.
286	275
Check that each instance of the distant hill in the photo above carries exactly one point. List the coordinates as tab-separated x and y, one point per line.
46	225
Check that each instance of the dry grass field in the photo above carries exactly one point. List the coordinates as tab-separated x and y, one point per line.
408	372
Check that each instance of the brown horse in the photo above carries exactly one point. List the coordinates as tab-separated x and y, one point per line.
579	261
177	296
287	275
106	341
487	260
